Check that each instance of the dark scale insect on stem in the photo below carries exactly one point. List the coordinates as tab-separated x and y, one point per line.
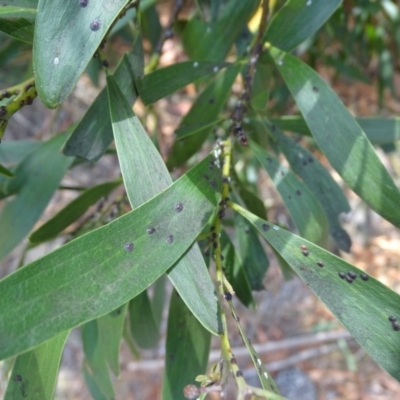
228	296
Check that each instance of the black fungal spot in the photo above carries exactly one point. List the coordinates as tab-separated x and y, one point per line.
320	264
298	192
178	207
342	275
95	25
18	378
212	183
265	227
396	326
315	89
239	373
364	277
169	239
348	279
150	230
306	253
352	275
83	3
392	318
228	296
129	247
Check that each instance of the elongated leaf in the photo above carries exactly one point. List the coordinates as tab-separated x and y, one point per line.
6	172
212	42
20	29
71	212
379	130
297	20
34	375
66	37
305	210
143	326
139	158
98	272
362	306
101	339
165	81
36	179
340	137
205	111
235	272
14	11
95	363
93	134
323	186
12	152
188	345
251	252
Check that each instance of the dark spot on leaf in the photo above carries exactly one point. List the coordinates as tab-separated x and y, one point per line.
392	318
352	275
396	326
129	246
105	64
205	176
211	100
282	173
247	229
306	253
315	89
169	34
320	264
269	159
364	277
212	183
348	279
239	373
342	275
304	162
290	197
169	239
95	25
298	192
178	207
18	378
228	296
83	3
150	230
310	159
265	227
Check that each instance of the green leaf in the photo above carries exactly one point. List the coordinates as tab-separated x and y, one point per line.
251	252
323	187
71	212
11	11
379	130
12	152
363	306
139	158
65	41
212	42
261	83
165	81
20	29
95	362
92	136
34	375
143	325
98	272
101	341
297	20
339	137
306	212
205	110
187	350
235	272
6	172
36	179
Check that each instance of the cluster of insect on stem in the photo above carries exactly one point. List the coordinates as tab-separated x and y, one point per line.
18	96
